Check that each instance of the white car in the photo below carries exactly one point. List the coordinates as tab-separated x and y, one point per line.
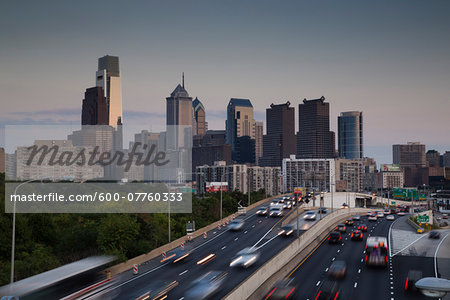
372	218
390	217
245	258
276	211
236	225
400	213
310	216
356	218
380	214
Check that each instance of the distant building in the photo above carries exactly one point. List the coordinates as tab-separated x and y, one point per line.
10	165
312	173
210	148
280	140
259	132
199	124
370	174
416	176
433	158
245	150
95	110
2	160
446	159
391	176
410	155
239	123
108	78
350	135
314	138
350	172
267	178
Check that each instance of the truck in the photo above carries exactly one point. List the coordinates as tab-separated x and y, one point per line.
377	253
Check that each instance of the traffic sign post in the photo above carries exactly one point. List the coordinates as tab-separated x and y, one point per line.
423	219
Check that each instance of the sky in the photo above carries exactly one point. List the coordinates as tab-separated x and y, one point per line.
388	59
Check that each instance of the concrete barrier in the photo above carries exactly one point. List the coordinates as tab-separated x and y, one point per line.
125	266
257	284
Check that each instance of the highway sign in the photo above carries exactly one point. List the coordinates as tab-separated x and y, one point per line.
392	202
423	219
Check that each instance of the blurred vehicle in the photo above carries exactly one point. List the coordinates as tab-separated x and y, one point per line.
341	228
349	222
390	217
337	269
283	289
207	259
369	213
177	255
380	214
387	212
328	290
206	286
372	217
362	227
344	205
376	251
286	230
287	204
236	224
411	279
401	213
262	211
158	290
434	234
335	237
245	258
322	210
309	216
276	202
276	211
357	235
356	218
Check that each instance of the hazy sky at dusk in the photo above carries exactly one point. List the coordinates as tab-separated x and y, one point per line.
389	59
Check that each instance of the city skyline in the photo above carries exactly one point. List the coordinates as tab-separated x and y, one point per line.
393	71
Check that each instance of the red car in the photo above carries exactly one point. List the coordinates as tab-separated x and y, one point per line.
362	227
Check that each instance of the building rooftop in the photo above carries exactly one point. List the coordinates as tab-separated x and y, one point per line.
240	102
196	104
179	91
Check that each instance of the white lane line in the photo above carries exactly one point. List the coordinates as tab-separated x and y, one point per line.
333	258
318	282
339	250
435	256
355	285
362	259
253	226
326	270
236	239
245	232
181	298
223	247
359	271
184	272
266	242
409	245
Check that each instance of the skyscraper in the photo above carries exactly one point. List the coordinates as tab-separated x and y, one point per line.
314	138
350	135
239	122
199	122
94	111
259	132
410	155
279	142
108	78
179	117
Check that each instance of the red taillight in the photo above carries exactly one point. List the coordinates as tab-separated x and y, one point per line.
386	259
351	235
406	284
366	257
360	235
329	237
317	297
337	294
290	293
271	293
339	238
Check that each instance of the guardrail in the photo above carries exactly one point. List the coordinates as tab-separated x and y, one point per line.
125	266
255	286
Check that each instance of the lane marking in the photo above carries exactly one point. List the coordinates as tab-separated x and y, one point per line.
326	270
236	239
223	247
356	284
266	242
318	282
245	232
359	271
298	266
184	272
435	256
416	240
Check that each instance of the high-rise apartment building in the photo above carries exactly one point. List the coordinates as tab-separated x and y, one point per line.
199	124
259	132
349	172
410	155
108	78
239	123
95	109
433	158
279	141
314	138
350	135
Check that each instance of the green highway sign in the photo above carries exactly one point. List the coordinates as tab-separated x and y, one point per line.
423	219
392	202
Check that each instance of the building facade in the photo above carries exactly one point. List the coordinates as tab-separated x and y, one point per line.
108	78
199	124
350	135
279	141
2	160
94	110
314	138
259	132
350	172
410	155
433	158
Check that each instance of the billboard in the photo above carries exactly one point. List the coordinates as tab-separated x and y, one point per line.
212	187
390	168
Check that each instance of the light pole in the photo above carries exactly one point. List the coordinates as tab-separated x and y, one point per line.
13	243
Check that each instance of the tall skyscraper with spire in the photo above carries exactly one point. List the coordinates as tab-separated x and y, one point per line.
178	117
108	78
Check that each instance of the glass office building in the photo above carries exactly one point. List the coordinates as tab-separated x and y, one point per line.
350	139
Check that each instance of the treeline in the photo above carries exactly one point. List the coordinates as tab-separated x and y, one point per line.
46	241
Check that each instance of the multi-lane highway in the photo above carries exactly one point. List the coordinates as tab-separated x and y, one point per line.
259	232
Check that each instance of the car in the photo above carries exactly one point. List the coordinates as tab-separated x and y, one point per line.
276	211
328	290
372	217
309	216
157	289
387	212
287	204
362	227
349	222
434	234
286	230
411	279
335	237
283	289
262	211
357	235
344	205
356	218
337	269
206	286
390	217
369	213
245	258
401	213
380	214
276	202
341	228
177	255
236	224
322	210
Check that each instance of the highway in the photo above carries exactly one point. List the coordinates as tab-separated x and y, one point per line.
259	232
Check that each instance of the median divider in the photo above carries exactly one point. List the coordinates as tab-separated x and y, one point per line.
279	266
128	265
